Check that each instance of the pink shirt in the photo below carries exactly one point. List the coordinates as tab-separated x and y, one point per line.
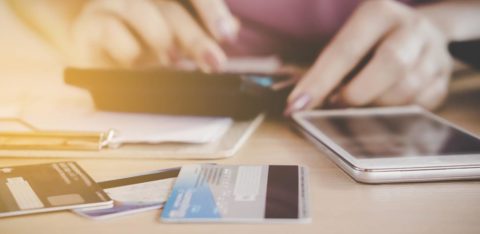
292	28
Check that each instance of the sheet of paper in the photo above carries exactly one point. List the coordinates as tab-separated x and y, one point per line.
52	106
73	115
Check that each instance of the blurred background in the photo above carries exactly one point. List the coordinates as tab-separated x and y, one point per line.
29	67
21	48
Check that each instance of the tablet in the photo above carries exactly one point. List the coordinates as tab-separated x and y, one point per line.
397	144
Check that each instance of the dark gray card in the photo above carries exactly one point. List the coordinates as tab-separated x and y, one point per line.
47	187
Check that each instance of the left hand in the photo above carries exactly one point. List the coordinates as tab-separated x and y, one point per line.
132	33
410	63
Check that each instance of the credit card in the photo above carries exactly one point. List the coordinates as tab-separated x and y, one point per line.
134	194
239	193
48	187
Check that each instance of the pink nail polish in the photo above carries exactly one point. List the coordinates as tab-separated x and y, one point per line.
212	61
226	30
300	103
173	55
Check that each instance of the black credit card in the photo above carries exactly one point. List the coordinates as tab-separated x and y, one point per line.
48	187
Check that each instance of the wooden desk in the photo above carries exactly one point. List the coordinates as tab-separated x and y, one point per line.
339	204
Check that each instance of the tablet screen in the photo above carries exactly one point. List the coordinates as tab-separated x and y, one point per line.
395	135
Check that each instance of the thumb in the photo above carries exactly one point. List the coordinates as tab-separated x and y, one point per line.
218	19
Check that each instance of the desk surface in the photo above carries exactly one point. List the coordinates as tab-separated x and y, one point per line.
339	204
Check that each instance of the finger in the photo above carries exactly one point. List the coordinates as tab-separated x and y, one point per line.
86	38
359	35
422	74
432	97
191	38
392	61
402	92
119	44
98	37
145	21
218	19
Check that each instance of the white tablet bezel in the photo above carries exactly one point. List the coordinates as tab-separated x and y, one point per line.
379	164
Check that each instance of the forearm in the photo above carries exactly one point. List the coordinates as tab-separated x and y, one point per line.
458	20
50	18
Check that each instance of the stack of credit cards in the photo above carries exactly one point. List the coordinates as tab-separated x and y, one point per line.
192	193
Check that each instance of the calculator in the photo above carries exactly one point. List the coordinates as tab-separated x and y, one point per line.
180	92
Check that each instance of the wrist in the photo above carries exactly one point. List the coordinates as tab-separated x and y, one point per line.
458	21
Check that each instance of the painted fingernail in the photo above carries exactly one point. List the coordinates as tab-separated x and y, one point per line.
227	30
300	103
212	60
173	55
204	62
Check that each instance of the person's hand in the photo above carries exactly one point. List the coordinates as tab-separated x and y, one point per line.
410	62
130	33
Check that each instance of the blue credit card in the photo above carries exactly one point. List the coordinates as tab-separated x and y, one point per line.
238	193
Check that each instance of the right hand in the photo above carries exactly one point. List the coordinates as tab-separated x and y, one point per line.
129	33
410	62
